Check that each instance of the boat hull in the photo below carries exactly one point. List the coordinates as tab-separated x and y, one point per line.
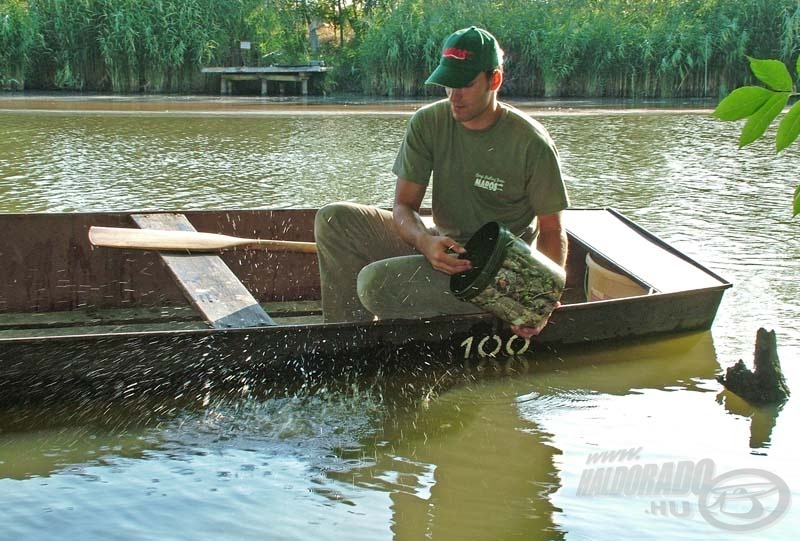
52	270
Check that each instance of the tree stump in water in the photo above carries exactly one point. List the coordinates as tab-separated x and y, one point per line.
765	384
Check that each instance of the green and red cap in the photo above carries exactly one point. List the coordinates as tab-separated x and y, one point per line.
465	54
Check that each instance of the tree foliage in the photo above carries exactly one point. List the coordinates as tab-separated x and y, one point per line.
761	105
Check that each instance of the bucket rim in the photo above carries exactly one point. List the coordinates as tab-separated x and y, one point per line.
486	274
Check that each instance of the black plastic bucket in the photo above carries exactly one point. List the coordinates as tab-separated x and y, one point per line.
508	278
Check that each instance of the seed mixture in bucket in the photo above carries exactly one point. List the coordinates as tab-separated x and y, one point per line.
508	278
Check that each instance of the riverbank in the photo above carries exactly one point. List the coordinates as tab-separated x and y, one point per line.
334	104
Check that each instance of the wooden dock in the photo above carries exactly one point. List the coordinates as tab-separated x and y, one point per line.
283	74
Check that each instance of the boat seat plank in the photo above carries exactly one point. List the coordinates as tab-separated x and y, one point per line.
208	283
635	253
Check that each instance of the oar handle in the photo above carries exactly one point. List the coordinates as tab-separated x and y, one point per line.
281	245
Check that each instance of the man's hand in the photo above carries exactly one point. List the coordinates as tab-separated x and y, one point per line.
439	250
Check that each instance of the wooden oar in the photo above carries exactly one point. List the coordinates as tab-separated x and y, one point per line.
193	241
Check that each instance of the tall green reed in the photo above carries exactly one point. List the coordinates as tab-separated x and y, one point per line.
593	48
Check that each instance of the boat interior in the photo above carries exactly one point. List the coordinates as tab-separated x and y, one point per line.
609	258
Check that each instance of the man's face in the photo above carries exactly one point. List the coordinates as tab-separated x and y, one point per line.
470	102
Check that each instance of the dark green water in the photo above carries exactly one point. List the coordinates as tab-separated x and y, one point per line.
440	457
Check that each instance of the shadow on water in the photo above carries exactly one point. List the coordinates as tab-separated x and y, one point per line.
472	457
404	379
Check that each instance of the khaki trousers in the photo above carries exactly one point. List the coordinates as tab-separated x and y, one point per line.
367	270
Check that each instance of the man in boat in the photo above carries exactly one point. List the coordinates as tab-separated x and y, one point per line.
486	160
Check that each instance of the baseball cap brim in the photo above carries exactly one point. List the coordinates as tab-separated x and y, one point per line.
451	76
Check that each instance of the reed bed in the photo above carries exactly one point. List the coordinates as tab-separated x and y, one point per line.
556	48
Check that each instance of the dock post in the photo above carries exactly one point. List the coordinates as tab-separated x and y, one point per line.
281	75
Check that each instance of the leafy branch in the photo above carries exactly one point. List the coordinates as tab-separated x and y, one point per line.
760	106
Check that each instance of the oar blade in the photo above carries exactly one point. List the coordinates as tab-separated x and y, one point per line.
156	239
192	241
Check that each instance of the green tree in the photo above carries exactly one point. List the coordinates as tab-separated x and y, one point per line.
760	105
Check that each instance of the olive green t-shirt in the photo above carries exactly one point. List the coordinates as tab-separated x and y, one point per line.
508	173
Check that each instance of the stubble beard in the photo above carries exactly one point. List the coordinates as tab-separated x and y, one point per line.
466	115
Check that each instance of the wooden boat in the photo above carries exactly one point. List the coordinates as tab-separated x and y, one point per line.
109	318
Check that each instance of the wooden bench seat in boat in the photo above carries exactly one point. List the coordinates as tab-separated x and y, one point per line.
210	286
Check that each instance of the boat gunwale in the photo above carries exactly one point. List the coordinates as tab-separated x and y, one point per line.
655	239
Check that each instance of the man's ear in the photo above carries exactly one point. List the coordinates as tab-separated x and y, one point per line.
495	80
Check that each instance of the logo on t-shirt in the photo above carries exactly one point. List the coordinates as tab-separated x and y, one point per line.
492	184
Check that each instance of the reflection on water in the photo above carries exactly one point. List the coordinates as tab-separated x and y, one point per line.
763	419
448	456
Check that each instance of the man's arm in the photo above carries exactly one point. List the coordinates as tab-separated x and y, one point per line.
407	201
552	240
